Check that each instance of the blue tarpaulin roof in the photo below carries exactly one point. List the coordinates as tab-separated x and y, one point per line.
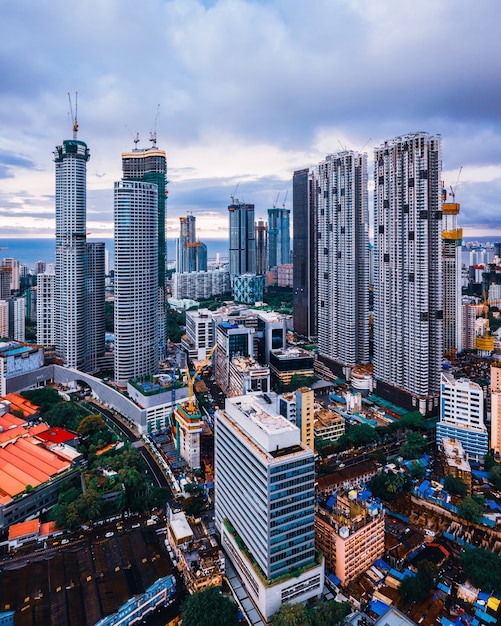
334	579
381	564
378	607
443	588
331	501
485	617
483	596
446	622
365	494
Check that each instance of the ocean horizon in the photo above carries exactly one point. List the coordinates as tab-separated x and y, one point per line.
29	251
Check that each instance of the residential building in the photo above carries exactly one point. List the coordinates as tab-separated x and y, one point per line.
261	247
191	255
345	479
279	245
408	281
462	415
200	285
452	238
343	262
349	532
137	334
247	376
14	274
329	426
95	305
150	166
5	278
46	284
17	315
305	415
455	461
71	234
242	244
189	426
495	389
261	462
304	252
40	267
4	319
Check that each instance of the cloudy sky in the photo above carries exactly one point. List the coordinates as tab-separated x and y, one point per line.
249	91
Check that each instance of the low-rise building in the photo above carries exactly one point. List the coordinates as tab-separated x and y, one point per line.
346	479
286	362
246	376
350	534
455	461
329	426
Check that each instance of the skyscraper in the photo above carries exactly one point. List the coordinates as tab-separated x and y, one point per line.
278	236
150	166
71	175
136	280
242	239
304	251
408	284
261	247
191	255
94	304
343	262
46	282
265	500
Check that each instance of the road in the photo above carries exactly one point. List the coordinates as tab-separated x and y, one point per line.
155	470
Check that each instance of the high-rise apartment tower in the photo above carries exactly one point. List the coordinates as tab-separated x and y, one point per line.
191	255
279	242
242	239
408	283
343	262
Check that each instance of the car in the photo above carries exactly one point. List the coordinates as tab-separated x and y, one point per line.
109	534
65	541
136	525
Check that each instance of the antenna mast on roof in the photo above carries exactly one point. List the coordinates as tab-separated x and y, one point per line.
74	119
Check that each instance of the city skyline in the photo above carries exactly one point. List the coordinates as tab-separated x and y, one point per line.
240	119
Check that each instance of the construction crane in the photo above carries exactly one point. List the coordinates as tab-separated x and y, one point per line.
276	201
453	189
191	406
234	194
285	199
74	119
153	133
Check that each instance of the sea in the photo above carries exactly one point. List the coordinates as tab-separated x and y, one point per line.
29	251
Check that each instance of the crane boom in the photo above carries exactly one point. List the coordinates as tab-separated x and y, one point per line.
74	119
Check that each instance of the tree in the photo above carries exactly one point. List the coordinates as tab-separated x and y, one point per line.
45	397
413	420
417	588
413	446
495	476
362	435
456	486
291	615
482	568
329	613
209	608
417	470
470	509
91	424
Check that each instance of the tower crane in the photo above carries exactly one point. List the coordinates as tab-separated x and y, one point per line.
453	189
191	405
285	199
153	134
74	119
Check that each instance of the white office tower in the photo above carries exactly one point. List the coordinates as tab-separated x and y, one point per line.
46	285
462	415
264	494
452	239
71	175
136	280
408	283
343	262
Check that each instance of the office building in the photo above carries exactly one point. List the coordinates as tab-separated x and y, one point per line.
46	284
462	415
261	247
191	255
350	534
71	182
17	315
452	239
304	253
278	236
343	262
15	273
242	245
248	288
136	280
233	339
199	337
247	376
408	282
288	362
150	166
264	494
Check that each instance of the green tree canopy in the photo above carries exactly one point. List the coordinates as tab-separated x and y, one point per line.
413	420
456	486
322	613
45	397
209	608
482	568
471	509
91	424
495	476
362	435
417	588
413	446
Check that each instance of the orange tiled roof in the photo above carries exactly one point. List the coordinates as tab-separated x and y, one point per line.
47	528
7	420
22	404
23	528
